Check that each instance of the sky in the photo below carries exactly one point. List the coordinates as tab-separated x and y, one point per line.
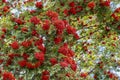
118	5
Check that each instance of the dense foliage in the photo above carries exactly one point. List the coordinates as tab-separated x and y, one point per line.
59	40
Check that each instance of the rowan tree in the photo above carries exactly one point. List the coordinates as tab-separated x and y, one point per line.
59	40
